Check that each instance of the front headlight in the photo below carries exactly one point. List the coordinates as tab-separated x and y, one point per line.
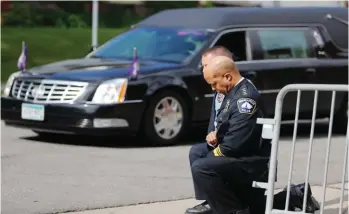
110	92
10	82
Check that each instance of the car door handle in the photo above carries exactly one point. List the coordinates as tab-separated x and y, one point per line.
310	70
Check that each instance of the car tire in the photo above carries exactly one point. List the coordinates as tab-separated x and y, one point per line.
174	122
340	120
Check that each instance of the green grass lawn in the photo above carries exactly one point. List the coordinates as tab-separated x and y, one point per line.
46	45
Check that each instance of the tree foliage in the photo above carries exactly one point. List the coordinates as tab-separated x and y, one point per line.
77	14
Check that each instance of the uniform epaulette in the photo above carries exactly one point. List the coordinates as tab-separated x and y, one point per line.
217	152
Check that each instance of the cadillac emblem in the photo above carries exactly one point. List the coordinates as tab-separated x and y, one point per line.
38	91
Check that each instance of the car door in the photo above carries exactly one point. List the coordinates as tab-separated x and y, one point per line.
331	71
282	56
331	68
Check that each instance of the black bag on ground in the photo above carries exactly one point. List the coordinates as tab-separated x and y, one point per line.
257	200
296	199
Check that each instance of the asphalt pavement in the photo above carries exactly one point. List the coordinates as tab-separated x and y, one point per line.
331	205
82	173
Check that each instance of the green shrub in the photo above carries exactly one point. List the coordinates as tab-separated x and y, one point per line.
21	15
75	14
76	21
34	15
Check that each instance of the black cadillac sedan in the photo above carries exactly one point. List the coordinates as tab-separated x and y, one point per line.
98	95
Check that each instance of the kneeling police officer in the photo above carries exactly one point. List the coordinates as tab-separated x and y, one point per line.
223	176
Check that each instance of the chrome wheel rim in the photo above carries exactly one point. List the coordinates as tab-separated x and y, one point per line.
168	118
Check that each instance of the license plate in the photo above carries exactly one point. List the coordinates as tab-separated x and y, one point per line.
33	112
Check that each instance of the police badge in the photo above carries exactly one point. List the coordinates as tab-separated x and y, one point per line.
226	107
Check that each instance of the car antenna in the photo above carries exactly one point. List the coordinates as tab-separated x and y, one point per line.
330	17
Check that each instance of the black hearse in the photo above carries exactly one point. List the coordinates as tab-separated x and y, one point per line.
95	95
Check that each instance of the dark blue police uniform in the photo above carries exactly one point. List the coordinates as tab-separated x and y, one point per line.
223	175
200	150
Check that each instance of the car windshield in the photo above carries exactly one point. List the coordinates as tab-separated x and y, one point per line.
154	43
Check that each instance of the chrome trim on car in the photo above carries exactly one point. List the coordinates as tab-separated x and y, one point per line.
123	102
47	91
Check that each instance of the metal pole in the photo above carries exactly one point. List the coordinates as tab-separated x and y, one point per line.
276	3
94	24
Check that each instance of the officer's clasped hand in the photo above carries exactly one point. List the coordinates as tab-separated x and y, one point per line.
211	138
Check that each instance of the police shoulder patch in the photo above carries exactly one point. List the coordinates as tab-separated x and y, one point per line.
246	105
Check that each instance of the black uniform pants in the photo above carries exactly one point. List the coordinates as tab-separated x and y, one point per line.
222	181
196	152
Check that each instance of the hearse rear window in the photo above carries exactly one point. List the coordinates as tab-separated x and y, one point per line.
284	43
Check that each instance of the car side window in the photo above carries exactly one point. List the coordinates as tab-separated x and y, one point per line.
236	42
283	44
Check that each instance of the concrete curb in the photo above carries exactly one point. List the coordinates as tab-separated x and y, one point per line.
178	207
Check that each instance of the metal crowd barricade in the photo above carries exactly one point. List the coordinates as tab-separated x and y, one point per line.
271	130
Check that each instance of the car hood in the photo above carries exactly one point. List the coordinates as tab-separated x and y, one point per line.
95	69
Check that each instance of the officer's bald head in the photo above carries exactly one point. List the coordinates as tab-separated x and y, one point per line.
222	64
221	73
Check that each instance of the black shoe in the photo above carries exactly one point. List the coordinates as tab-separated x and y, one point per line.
244	211
203	208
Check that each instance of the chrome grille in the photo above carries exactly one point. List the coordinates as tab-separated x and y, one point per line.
47	91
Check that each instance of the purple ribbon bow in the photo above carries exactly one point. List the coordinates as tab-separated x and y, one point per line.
22	60
134	68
